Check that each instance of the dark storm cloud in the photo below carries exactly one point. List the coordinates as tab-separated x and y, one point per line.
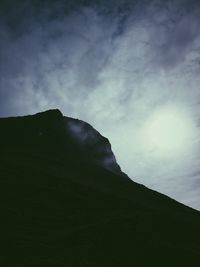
110	63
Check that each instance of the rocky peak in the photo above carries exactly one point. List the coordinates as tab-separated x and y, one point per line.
53	133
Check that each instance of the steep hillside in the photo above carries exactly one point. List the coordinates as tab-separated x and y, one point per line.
65	202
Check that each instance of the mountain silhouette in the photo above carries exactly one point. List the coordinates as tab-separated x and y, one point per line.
66	202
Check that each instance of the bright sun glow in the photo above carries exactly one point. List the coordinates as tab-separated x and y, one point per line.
168	131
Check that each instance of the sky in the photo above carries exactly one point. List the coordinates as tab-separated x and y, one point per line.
129	68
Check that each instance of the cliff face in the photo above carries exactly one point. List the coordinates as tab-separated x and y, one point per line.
51	132
65	202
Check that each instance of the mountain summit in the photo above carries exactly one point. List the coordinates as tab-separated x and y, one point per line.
64	137
66	202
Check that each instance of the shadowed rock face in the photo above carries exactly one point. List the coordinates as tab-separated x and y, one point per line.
65	202
65	137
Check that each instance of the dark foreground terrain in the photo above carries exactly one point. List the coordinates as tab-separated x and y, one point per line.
65	202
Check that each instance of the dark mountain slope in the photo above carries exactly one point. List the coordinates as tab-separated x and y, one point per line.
65	202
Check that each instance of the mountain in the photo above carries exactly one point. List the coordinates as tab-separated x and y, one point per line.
66	202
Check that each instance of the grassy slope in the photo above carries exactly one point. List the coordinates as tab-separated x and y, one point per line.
57	213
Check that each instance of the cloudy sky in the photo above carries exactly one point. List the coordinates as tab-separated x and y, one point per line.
129	68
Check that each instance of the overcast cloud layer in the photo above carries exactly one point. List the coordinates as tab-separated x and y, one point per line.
111	65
